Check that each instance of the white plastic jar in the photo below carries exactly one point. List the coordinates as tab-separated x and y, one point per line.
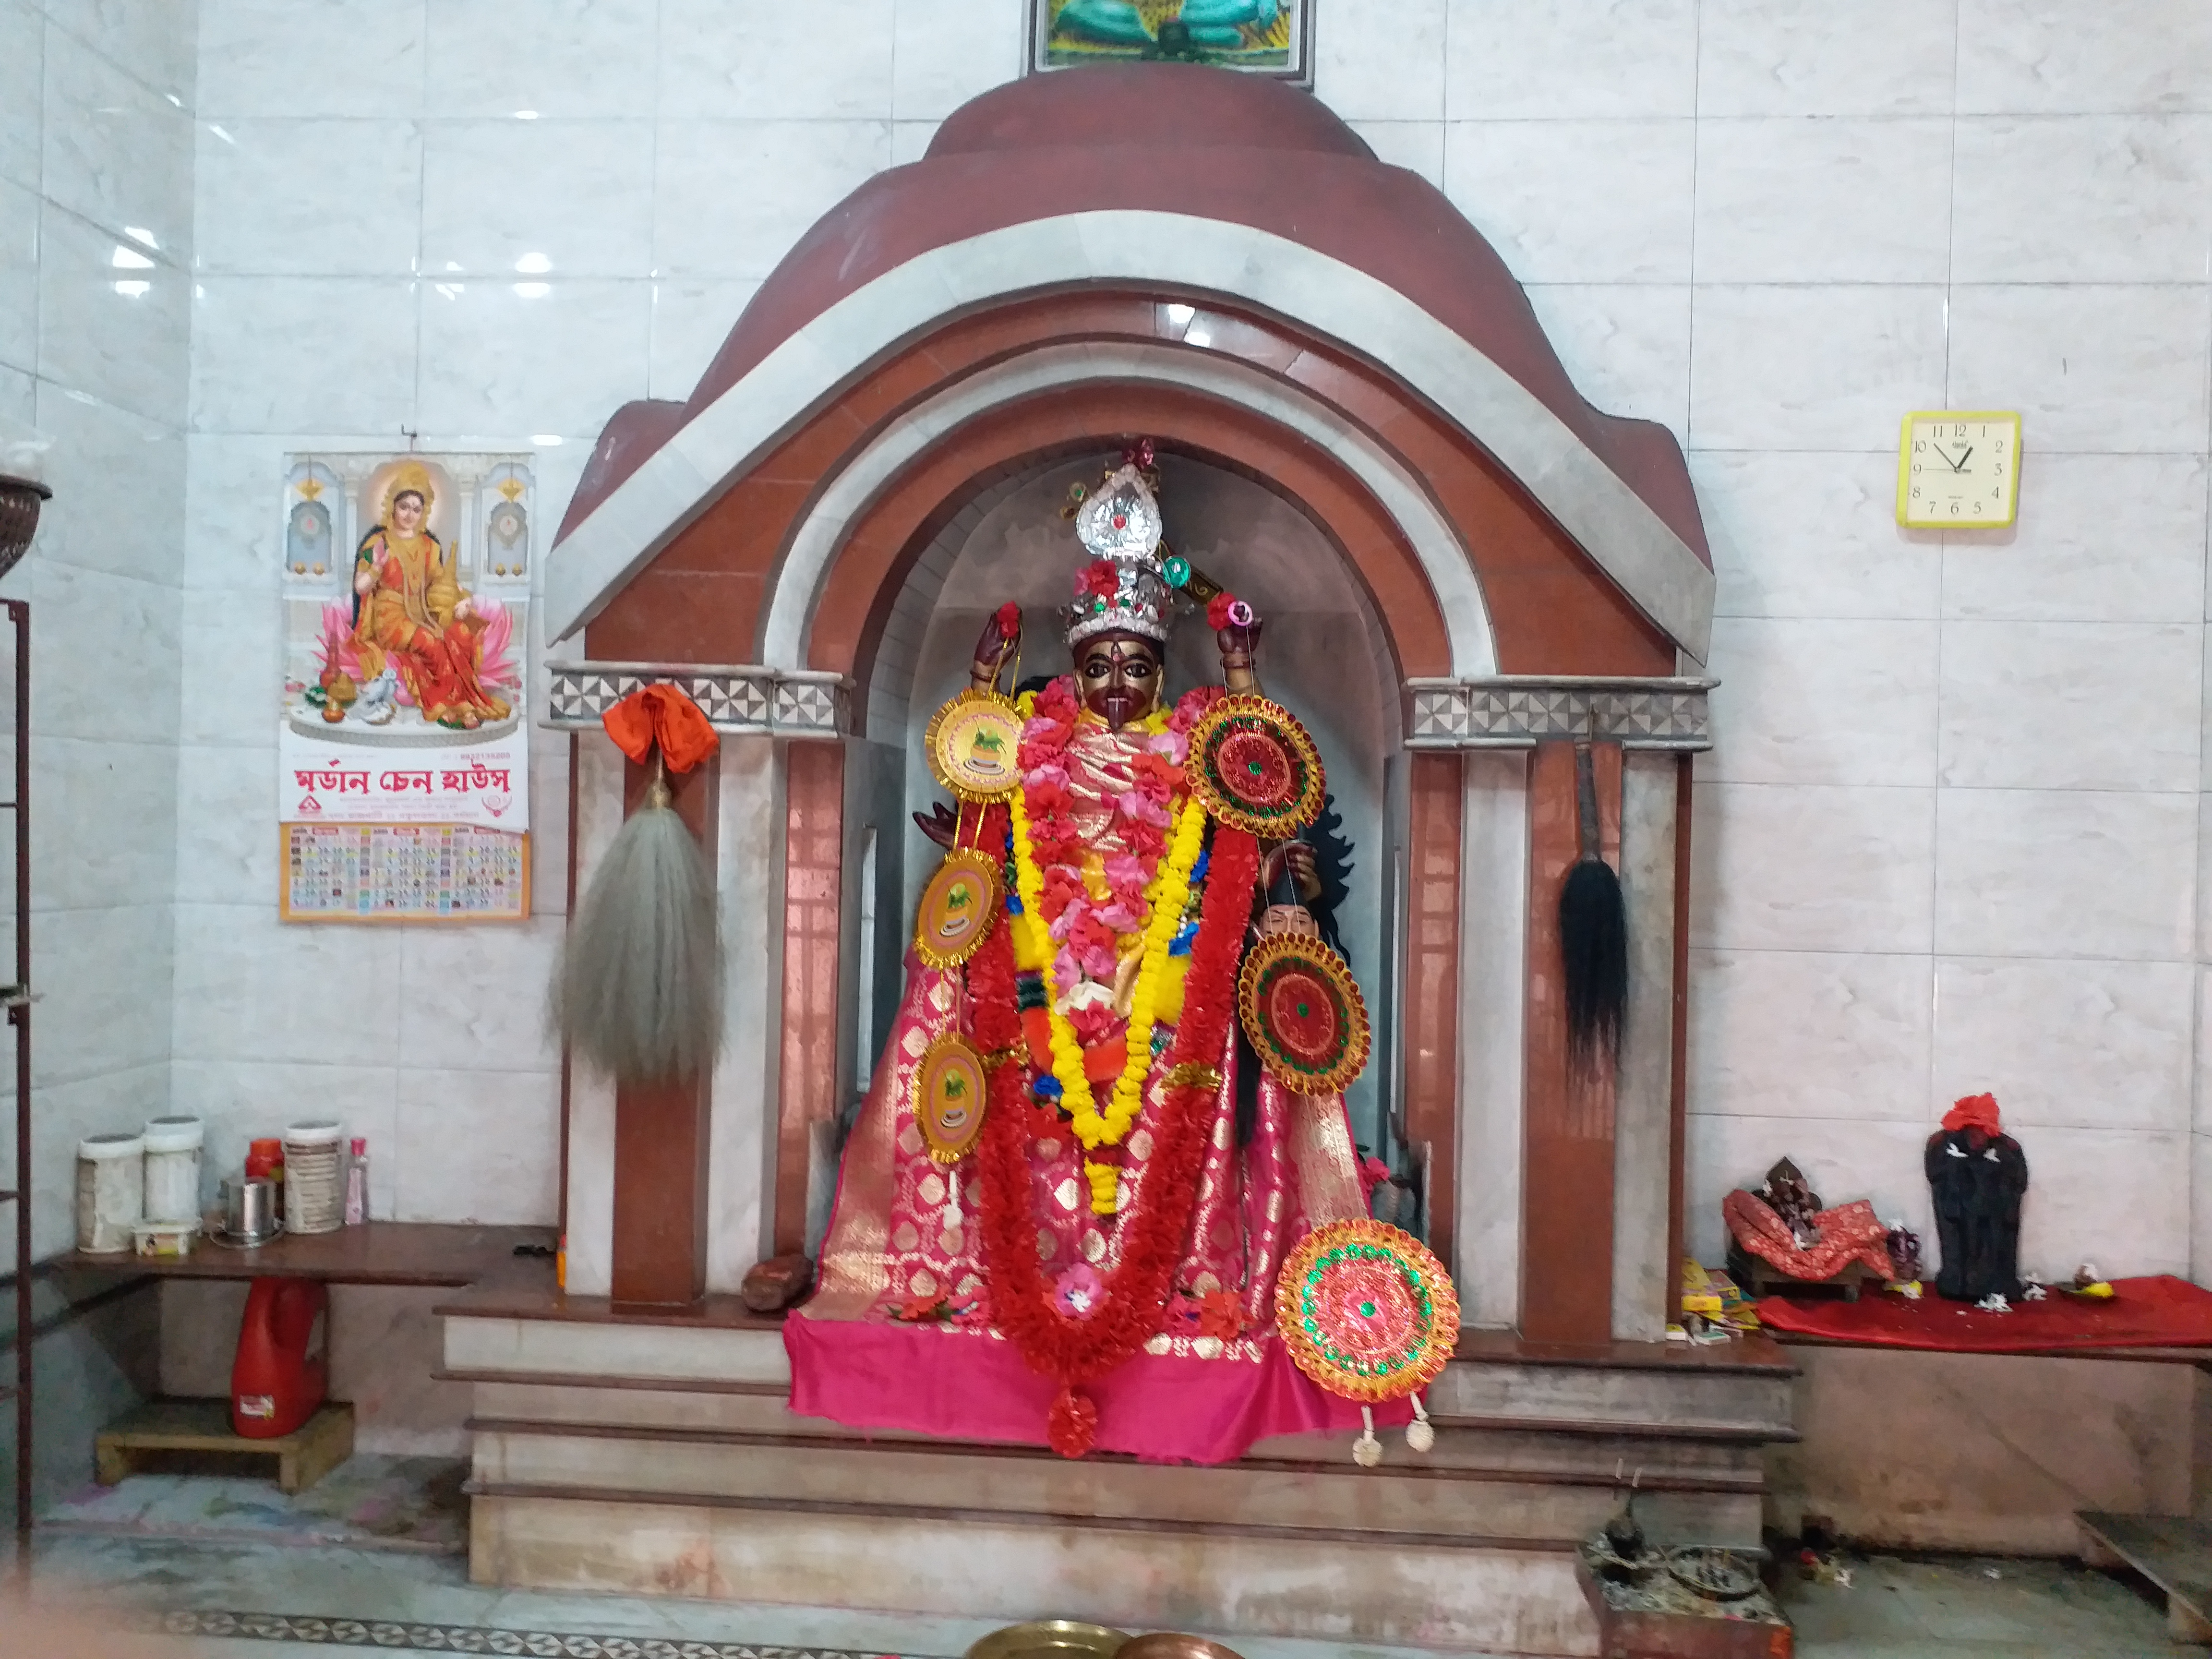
314	1178
110	1189
173	1169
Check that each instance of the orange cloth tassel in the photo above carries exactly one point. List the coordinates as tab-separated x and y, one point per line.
661	714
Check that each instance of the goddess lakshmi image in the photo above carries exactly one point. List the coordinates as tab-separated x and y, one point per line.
412	634
1062	1213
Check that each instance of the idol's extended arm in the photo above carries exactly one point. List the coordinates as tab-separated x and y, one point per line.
1237	642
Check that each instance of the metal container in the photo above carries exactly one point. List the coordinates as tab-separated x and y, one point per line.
1050	1638
1166	1645
111	1192
249	1211
19	502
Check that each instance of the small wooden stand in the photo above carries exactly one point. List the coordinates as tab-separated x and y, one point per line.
1756	1277
303	1456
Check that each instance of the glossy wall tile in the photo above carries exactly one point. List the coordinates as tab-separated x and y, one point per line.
1950	837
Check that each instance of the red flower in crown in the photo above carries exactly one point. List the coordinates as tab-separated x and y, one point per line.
1098	579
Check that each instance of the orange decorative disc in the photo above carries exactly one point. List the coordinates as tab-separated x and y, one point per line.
955	909
948	1096
1366	1310
972	744
1255	768
1303	1010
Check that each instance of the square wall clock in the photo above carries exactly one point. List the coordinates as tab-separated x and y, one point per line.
1259	37
1958	470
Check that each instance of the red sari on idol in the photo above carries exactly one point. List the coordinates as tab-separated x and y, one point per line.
903	1331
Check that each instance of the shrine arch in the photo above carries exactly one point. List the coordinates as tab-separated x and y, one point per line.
1034	290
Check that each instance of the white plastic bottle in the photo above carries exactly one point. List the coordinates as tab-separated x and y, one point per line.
357	1189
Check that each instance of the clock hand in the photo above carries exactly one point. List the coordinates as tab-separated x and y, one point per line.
1964	459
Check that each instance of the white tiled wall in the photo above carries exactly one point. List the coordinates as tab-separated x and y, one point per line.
477	221
95	247
1950	838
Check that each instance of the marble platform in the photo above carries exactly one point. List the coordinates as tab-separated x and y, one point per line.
618	1453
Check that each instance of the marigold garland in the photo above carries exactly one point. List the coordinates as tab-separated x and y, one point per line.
1075	1350
1165	895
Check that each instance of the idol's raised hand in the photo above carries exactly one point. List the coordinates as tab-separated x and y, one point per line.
1001	639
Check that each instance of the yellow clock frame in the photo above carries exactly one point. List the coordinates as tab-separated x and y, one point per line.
2008	501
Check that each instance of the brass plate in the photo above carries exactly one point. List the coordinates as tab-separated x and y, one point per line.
1050	1638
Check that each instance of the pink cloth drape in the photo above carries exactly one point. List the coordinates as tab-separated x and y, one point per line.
966	1385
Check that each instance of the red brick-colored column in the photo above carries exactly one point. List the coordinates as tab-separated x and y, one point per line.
659	1247
1566	1193
814	857
1436	802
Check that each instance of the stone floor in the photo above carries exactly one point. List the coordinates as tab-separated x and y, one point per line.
226	1601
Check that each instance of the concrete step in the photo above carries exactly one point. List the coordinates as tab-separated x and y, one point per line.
1686	1399
1408	1496
1546	1450
1230	1580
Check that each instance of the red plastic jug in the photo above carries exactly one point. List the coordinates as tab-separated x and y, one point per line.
281	1372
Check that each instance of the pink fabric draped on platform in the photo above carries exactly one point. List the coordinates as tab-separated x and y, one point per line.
966	1385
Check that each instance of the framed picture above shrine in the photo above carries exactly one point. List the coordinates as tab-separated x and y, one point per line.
1257	37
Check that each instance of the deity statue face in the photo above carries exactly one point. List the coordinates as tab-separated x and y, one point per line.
407	513
1119	677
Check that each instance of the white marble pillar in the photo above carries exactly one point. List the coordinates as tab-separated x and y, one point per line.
597	779
1492	970
1642	1116
741	1112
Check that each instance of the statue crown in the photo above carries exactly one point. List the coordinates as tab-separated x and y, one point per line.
1125	587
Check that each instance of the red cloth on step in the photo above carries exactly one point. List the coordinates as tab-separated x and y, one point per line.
2159	1312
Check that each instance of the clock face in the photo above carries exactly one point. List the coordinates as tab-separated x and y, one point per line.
1959	470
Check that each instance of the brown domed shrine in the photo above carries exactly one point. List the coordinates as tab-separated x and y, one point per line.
1219	265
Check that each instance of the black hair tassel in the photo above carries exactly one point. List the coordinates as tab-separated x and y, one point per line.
1593	937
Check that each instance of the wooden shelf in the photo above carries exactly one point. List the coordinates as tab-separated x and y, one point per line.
380	1253
517	1298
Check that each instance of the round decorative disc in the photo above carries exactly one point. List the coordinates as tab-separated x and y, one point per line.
1255	769
955	909
1366	1310
973	744
948	1096
1303	1012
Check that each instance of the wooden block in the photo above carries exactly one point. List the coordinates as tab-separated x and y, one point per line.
2172	1551
303	1457
323	1441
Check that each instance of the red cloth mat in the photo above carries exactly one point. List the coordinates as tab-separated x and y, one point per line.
2161	1312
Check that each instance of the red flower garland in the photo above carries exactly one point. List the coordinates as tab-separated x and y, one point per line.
1076	1351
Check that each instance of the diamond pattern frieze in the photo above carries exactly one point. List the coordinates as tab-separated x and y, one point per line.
747	698
1519	712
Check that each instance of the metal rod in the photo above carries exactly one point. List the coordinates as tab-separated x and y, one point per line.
19	1016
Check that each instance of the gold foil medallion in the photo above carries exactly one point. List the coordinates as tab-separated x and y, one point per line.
948	1097
956	909
973	744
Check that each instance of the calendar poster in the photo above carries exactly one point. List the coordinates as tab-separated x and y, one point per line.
449	872
403	745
